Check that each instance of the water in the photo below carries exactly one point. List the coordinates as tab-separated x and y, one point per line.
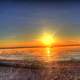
62	64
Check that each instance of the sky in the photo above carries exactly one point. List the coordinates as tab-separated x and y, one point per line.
25	22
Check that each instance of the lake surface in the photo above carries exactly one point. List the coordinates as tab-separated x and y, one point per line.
54	71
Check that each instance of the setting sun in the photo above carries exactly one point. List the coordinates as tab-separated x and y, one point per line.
47	39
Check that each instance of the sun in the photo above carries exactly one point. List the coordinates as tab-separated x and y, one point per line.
47	39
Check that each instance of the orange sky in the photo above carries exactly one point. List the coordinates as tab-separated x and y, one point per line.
33	43
19	44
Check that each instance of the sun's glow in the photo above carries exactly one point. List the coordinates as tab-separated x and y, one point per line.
47	39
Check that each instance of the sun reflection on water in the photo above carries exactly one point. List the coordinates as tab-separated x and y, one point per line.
48	54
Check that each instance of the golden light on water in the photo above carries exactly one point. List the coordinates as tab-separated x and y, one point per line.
48	54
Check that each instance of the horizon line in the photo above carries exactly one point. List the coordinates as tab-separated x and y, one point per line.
39	46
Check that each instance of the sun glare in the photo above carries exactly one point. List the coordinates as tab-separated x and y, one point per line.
47	39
